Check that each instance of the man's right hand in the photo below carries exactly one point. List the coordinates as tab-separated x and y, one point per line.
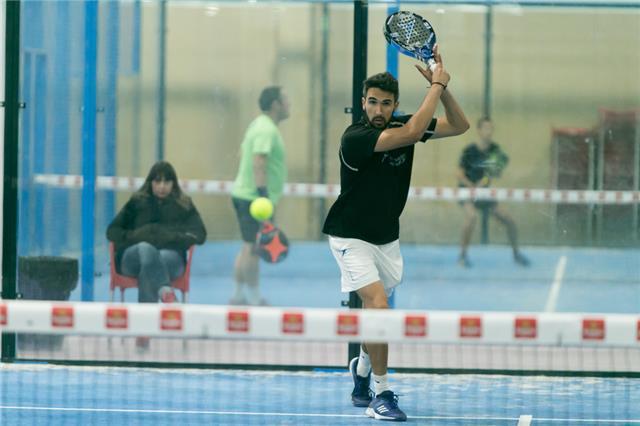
439	74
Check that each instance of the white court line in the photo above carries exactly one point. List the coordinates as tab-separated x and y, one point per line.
234	413
552	300
247	413
589	421
525	420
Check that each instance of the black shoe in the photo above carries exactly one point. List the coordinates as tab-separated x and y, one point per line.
521	260
361	395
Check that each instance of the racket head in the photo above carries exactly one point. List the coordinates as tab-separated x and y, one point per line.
411	34
272	245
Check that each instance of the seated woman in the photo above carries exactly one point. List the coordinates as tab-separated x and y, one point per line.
152	233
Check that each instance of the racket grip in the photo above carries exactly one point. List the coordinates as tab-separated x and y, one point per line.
431	63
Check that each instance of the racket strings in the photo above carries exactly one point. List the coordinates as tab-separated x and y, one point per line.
410	31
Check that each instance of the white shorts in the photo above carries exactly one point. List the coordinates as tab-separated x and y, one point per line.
362	263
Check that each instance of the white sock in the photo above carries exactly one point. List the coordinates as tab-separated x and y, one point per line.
253	295
380	383
364	364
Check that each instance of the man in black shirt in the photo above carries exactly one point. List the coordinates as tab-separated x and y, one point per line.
376	156
479	164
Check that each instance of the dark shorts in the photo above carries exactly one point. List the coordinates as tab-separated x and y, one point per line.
485	205
481	204
249	227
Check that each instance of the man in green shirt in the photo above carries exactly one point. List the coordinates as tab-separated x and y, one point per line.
262	173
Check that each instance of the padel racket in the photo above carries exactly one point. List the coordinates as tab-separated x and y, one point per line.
412	35
271	244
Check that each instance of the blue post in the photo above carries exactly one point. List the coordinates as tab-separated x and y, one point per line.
89	146
58	202
135	69
41	226
25	170
392	67
109	150
162	75
392	52
32	143
136	39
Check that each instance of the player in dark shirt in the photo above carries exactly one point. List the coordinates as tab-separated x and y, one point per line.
479	164
376	156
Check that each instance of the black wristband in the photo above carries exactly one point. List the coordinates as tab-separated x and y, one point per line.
262	191
444	86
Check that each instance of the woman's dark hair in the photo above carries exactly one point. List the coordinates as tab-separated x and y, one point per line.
268	96
384	81
165	171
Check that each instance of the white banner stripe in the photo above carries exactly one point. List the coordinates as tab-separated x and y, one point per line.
317	190
208	321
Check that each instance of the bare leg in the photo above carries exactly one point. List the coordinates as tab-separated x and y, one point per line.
385	404
512	234
374	297
246	273
470	219
506	220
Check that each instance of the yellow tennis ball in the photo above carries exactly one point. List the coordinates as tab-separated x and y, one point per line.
261	208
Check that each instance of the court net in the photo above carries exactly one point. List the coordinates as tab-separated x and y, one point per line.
200	364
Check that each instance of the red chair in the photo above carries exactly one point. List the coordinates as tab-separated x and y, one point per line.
124	282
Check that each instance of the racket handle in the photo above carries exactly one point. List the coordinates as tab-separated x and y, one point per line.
431	63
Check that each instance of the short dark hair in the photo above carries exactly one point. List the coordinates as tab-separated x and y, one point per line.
482	120
384	81
268	96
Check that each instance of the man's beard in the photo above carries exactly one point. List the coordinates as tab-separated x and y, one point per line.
379	122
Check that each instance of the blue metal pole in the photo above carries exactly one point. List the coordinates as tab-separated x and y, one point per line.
392	52
110	119
162	71
392	67
26	149
135	48
61	90
89	146
135	68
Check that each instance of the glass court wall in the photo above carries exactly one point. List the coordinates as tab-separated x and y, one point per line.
111	87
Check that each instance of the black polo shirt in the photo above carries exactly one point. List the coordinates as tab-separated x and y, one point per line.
373	185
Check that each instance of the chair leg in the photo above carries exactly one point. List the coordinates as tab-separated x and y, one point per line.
121	295
111	295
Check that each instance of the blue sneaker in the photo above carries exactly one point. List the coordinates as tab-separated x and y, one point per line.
361	395
385	407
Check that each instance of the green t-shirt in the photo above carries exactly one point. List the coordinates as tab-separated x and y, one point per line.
262	137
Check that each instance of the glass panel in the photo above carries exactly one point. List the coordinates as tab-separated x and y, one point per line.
182	80
561	127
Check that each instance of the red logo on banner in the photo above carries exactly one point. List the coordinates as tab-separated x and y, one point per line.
171	319
638	325
292	323
470	327
62	316
415	326
593	329
347	325
238	321
117	318
3	314
526	328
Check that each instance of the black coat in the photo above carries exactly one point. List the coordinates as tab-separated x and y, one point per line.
169	223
